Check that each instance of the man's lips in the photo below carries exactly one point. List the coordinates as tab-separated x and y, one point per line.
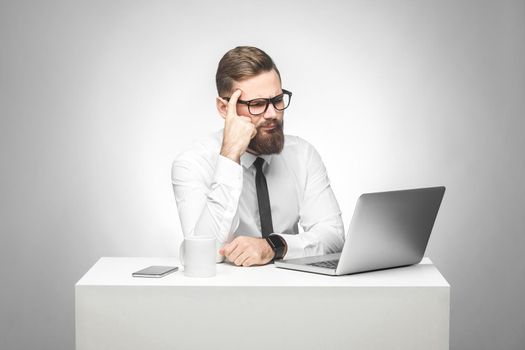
270	126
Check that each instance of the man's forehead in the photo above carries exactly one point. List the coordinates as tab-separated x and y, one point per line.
266	84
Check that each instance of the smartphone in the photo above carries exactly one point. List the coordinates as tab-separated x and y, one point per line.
155	271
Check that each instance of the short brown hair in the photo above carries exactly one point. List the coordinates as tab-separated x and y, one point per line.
241	63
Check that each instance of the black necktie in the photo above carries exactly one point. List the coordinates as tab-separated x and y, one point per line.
263	199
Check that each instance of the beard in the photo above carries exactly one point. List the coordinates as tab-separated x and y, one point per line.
268	141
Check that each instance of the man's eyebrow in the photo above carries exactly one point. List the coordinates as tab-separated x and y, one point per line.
255	98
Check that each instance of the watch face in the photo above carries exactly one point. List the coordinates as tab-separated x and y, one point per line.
277	245
275	241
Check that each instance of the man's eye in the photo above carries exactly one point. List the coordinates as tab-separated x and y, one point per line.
258	103
278	98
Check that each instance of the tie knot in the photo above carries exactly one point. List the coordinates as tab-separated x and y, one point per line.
258	163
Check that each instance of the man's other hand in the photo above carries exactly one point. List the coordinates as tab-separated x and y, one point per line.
248	251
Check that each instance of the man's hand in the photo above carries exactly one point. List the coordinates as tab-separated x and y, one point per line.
248	251
238	131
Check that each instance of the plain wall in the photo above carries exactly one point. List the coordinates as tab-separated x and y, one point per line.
97	98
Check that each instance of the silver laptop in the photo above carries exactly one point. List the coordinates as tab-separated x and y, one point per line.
388	229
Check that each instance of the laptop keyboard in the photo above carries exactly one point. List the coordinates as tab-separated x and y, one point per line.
331	264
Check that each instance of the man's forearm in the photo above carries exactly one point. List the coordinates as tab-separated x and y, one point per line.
322	238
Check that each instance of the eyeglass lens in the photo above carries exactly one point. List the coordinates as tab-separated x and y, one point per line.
259	106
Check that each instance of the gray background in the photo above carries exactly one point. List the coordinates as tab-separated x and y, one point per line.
97	97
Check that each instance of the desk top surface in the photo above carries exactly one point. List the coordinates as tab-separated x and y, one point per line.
116	271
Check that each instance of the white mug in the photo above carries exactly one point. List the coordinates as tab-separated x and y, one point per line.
198	254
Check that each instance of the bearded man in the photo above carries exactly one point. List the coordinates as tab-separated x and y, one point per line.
249	185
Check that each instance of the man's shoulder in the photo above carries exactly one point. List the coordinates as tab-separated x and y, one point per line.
297	144
300	153
202	147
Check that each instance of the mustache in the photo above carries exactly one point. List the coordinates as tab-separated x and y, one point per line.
276	123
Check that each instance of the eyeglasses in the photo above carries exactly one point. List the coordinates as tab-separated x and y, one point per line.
259	106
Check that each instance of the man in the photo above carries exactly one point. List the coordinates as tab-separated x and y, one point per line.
249	185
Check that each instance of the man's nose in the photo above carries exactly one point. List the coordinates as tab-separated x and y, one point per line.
270	113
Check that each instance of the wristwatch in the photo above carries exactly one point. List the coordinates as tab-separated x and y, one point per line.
278	245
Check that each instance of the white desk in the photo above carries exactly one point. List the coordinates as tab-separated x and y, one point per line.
260	308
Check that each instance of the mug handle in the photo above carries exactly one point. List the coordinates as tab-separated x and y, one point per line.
181	253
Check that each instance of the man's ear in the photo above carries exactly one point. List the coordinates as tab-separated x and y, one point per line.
222	107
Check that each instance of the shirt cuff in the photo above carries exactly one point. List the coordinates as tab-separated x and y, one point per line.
228	172
294	246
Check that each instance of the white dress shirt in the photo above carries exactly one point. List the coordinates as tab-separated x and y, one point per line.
216	196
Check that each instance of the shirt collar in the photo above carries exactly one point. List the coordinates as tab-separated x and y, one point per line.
247	159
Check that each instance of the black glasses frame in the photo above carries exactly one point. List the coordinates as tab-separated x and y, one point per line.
272	100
